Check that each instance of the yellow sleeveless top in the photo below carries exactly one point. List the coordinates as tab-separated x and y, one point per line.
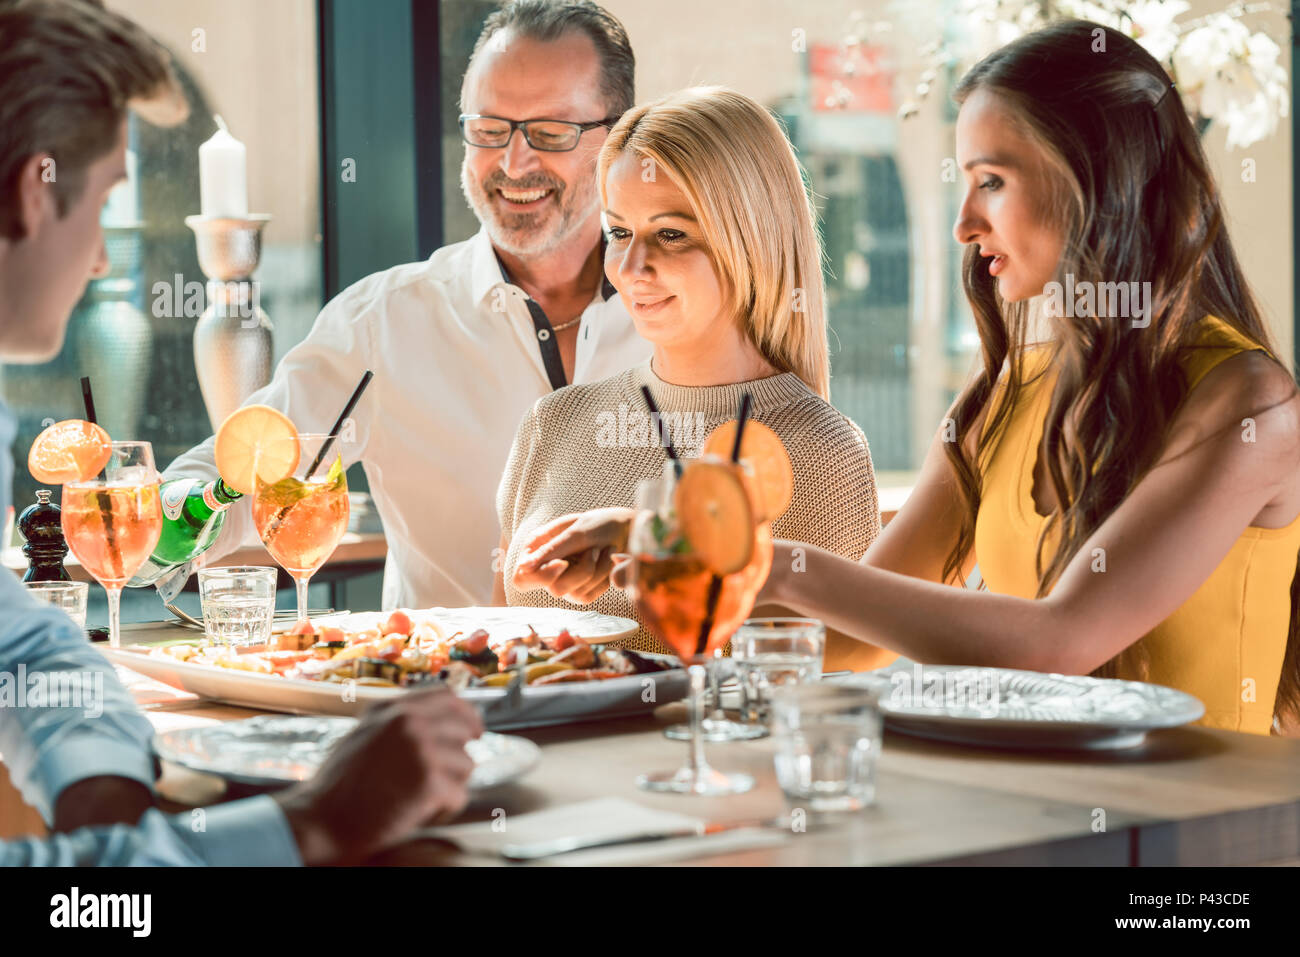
1225	643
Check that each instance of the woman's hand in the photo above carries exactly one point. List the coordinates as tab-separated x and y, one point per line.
571	557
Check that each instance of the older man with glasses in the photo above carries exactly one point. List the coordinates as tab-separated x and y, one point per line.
465	342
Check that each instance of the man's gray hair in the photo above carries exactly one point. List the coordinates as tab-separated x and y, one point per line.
547	20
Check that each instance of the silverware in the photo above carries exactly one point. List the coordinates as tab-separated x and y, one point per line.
283	615
185	617
515	690
730	686
563	845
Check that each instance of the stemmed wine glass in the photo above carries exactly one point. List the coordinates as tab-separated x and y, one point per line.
301	518
670	587
112	522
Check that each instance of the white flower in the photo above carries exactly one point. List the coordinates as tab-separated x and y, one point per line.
1249	120
1103	13
1203	53
1225	72
1153	25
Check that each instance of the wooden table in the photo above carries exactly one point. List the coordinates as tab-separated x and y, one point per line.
1189	796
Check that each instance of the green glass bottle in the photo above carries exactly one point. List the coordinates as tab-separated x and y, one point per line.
193	513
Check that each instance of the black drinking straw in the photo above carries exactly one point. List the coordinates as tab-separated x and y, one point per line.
324	448
89	399
101	498
663	440
338	423
715	582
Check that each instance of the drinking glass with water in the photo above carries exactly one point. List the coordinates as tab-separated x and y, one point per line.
771	652
238	604
70	596
828	742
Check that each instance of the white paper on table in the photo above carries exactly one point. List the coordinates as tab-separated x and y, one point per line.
602	817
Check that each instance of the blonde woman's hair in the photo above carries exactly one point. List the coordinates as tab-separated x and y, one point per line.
739	172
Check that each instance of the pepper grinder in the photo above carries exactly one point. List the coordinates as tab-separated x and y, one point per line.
42	528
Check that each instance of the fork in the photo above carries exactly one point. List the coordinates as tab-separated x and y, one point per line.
515	690
281	617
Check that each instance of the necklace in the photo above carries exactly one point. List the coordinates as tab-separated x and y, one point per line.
565	325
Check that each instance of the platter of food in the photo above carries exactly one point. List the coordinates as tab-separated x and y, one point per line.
572	668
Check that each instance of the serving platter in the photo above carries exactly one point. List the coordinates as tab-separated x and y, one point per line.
538	706
274	750
1007	708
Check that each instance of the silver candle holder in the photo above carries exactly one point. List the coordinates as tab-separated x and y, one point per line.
232	339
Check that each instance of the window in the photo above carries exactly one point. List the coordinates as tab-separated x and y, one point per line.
902	339
255	64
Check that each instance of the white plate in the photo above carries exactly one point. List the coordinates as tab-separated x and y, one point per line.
273	750
545	705
1006	708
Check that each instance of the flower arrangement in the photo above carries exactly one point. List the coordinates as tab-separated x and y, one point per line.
1225	71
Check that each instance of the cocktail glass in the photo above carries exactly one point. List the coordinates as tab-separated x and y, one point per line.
670	587
112	522
301	518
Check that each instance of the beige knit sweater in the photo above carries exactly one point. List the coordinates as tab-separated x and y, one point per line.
588	446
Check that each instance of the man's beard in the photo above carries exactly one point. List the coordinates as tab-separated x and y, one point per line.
532	233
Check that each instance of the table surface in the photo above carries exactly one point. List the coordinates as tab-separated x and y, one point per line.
1190	795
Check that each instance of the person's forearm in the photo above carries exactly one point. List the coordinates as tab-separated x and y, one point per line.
90	729
250	832
921	620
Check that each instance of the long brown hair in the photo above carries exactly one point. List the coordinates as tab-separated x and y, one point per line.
1136	202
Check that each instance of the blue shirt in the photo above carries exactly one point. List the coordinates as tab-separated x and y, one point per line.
93	728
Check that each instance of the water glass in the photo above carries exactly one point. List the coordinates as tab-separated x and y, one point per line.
238	604
771	652
828	741
70	596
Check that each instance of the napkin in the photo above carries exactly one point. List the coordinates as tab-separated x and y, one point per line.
603	817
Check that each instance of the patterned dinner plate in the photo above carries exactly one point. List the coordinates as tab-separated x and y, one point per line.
1001	707
564	703
271	750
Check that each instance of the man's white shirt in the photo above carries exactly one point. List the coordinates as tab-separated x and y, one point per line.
457	363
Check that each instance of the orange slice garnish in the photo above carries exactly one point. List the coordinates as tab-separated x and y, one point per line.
255	442
715	515
766	454
73	450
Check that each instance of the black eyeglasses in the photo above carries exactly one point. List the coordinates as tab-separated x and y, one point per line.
552	136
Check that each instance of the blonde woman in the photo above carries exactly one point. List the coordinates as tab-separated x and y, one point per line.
713	248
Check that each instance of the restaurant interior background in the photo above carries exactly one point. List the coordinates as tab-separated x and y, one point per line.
308	84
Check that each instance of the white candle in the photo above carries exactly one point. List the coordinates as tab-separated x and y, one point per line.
223	175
